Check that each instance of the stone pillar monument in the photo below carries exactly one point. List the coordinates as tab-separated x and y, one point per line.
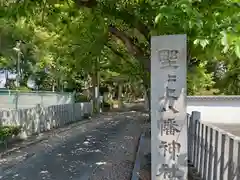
168	107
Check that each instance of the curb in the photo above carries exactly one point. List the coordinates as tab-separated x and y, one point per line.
137	166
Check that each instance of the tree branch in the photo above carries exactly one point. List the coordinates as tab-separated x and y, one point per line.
128	41
119	54
116	52
122	14
132	48
86	3
129	19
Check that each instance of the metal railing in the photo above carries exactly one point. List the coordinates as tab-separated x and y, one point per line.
214	153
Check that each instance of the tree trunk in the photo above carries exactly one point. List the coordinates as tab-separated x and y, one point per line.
147	85
94	92
148	92
120	88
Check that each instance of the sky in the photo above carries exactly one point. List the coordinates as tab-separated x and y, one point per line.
3	77
30	83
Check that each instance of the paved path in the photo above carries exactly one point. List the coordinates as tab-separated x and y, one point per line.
102	150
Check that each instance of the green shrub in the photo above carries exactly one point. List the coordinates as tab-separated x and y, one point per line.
8	131
81	98
23	89
106	105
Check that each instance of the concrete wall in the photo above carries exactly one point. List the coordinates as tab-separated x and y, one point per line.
40	119
30	100
216	109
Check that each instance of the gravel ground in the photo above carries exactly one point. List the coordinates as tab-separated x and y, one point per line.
99	150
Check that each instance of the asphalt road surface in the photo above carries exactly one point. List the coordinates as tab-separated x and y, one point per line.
101	150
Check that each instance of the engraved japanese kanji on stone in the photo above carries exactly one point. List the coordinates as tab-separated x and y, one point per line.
171	95
169	127
172	78
168	58
172	148
163	146
170	172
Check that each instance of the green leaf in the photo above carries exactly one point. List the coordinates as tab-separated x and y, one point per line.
158	18
225	49
196	41
237	50
224	40
204	43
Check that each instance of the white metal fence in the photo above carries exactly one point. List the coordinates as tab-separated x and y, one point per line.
213	152
40	119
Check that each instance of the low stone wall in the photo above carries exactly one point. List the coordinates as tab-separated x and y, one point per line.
20	100
39	119
216	109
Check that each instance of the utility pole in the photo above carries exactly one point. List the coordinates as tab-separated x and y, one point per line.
18	50
95	82
98	86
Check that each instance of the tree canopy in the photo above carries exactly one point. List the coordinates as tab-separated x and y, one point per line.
67	40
